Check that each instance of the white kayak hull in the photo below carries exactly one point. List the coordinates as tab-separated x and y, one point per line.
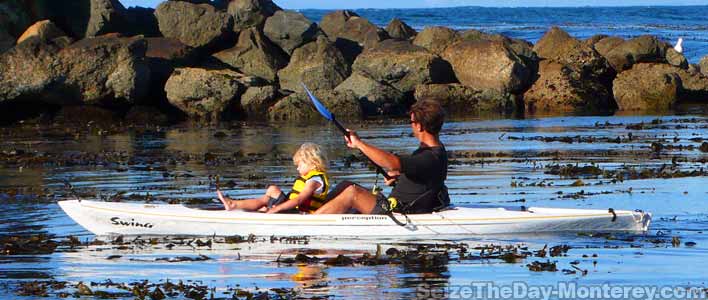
111	218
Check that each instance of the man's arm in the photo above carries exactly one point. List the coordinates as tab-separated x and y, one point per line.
383	158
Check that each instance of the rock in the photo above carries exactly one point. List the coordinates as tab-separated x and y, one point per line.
591	41
703	65
25	71
647	86
319	65
605	45
206	95
105	68
195	25
403	65
459	99
255	55
251	13
640	49
694	86
349	26
290	30
436	39
398	29
376	98
106	16
488	65
91	71
256	101
45	30
298	108
521	48
558	46
560	88
675	58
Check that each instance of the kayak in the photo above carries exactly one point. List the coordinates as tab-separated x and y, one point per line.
118	218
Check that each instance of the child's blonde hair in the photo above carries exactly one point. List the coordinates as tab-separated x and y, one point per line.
312	155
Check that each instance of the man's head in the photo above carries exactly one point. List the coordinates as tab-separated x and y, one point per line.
429	115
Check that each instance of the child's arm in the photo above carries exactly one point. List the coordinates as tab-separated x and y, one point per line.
306	193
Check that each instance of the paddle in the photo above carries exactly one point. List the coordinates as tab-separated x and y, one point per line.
329	116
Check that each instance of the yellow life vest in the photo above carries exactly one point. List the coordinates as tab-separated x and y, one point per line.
316	200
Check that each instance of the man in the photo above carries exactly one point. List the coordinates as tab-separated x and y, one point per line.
420	177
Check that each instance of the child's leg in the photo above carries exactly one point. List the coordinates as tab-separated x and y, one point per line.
250	204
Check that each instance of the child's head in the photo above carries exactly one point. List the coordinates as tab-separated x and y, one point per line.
312	156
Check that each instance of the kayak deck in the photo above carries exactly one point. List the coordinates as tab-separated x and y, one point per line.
112	218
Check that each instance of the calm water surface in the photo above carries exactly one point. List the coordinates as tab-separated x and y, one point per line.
495	162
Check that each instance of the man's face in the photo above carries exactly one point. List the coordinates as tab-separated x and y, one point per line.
415	126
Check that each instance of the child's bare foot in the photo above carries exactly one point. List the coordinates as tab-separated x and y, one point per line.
226	202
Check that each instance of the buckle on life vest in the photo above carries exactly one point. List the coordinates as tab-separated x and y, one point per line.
392	203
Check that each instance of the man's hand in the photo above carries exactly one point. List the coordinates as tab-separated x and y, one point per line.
393	175
353	140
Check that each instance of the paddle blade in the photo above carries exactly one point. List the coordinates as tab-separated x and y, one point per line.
318	105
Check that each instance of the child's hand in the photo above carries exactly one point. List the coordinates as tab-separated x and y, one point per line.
352	140
272	210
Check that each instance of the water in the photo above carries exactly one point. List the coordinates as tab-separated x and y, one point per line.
164	164
667	22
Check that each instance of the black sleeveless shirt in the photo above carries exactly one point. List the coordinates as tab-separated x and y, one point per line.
422	177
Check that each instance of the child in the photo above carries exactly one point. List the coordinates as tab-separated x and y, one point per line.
308	192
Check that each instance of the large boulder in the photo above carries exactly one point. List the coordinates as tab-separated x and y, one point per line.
403	65
676	58
640	49
106	16
45	30
206	95
647	86
251	13
319	65
605	45
558	46
398	29
436	38
560	88
459	99
703	65
26	72
290	30
107	70
256	101
694	86
488	65
521	48
255	55
298	108
377	98
349	26
195	25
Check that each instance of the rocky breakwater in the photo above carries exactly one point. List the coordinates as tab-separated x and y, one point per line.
208	61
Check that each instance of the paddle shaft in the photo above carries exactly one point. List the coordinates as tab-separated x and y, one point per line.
346	134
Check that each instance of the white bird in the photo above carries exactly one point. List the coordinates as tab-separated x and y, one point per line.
679	47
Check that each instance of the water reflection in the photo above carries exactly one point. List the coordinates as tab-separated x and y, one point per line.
175	163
